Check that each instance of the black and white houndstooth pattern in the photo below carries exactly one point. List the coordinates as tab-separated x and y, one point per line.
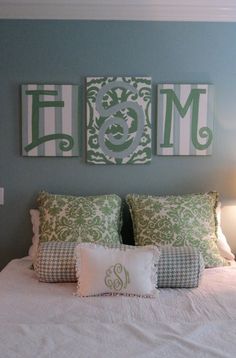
179	267
56	262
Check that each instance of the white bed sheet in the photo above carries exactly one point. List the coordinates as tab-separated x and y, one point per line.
47	320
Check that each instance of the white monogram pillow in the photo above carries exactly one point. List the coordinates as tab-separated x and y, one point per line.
121	269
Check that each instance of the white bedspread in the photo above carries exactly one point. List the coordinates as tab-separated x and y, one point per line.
46	320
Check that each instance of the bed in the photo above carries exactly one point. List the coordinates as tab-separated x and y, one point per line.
44	312
47	320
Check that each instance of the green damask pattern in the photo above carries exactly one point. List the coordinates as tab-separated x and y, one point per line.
81	219
187	220
118	120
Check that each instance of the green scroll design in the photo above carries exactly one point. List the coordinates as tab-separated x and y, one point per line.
118	120
192	100
67	141
115	120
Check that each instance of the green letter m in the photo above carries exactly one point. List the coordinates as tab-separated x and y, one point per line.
192	100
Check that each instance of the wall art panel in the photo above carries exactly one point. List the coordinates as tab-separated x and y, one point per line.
185	119
50	120
118	120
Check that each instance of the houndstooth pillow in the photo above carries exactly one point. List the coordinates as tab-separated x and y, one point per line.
55	262
179	267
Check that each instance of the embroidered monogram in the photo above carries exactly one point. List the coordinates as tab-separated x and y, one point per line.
117	277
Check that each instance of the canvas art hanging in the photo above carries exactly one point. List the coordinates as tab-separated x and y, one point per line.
118	120
50	120
185	119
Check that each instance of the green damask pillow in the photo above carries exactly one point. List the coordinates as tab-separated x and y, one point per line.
182	220
81	219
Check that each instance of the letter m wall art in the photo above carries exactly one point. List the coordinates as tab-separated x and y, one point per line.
50	120
185	119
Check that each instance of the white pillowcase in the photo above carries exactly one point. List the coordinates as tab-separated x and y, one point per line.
121	269
222	243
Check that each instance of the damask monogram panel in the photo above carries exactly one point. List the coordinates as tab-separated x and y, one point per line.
50	120
185	119
118	120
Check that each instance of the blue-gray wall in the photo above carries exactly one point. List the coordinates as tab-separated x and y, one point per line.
67	52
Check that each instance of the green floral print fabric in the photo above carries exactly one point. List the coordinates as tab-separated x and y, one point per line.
182	220
81	219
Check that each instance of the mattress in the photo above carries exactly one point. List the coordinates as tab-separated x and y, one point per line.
48	320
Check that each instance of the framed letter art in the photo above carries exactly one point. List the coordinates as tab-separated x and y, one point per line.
50	120
185	119
118	120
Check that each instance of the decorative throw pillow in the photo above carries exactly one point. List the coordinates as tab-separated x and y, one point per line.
179	267
222	243
122	269
55	262
34	214
182	220
71	218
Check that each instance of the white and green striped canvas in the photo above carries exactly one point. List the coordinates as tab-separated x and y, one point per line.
185	119
50	120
